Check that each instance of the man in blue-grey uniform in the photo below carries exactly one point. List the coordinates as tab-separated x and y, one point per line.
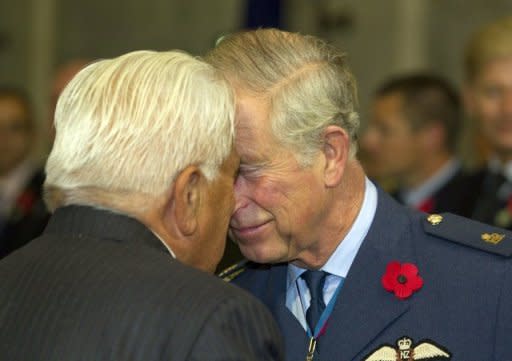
348	273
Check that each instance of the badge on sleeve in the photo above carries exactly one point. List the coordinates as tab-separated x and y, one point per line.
425	350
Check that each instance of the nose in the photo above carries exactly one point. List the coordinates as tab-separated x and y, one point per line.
239	191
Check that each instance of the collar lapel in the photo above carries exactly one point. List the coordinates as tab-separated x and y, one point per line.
295	337
103	224
364	308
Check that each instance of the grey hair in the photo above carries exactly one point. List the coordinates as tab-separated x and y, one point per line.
307	82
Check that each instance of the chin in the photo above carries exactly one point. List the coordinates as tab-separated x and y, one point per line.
263	256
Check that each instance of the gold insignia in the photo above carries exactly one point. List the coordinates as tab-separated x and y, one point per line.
233	275
493	238
233	271
405	352
435	219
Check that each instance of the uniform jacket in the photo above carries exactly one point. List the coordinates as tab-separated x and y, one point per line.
499	211
464	307
100	286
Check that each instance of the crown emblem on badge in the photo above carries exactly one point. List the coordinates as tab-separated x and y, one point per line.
425	350
404	343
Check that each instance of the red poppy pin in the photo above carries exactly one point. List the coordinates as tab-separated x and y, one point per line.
427	205
402	279
26	201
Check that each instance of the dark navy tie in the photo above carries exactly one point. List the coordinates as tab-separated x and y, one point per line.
315	281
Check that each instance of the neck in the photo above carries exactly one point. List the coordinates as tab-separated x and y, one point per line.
153	219
344	204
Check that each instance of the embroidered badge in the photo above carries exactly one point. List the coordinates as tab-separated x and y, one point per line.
435	219
233	271
402	279
493	238
425	350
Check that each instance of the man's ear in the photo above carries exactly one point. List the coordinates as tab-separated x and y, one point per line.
187	200
336	151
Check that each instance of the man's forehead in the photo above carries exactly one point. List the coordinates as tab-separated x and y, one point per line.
252	117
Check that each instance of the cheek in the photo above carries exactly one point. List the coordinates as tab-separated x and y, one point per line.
399	141
262	191
281	194
228	196
487	110
305	200
226	204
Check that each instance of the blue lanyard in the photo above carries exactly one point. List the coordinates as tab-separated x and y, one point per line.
327	312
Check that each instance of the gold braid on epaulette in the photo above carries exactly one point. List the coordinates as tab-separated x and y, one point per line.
233	271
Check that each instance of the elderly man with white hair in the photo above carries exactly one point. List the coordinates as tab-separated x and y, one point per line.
140	179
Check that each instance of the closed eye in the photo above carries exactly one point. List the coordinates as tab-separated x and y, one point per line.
251	170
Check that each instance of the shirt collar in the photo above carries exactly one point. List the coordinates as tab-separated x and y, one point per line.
165	244
412	197
340	261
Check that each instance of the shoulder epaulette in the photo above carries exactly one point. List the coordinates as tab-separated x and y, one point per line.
233	271
469	233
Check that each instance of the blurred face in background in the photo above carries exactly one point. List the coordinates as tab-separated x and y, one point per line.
389	144
489	100
15	134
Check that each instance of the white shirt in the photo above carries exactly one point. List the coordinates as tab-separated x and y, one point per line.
165	244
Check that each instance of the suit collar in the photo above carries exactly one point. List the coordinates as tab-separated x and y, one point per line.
431	186
364	308
101	223
295	338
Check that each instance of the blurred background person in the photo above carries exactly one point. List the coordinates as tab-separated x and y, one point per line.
411	138
488	100
23	214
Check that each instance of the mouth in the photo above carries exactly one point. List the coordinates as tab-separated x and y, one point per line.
245	232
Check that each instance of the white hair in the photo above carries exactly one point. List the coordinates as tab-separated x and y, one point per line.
129	125
308	83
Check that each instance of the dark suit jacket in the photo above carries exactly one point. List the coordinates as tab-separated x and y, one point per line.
464	306
100	286
497	212
458	195
28	218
